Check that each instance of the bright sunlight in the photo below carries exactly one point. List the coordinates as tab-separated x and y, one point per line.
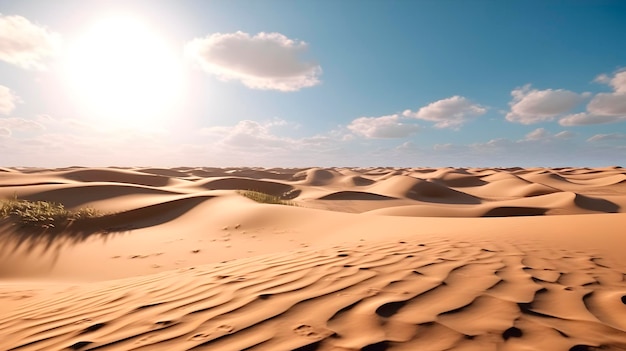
123	73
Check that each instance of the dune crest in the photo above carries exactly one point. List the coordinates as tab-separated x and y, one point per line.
328	259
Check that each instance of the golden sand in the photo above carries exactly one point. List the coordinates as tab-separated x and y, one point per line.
368	259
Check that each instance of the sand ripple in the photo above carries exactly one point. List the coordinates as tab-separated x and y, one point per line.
434	295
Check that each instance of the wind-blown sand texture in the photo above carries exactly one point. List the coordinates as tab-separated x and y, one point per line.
367	259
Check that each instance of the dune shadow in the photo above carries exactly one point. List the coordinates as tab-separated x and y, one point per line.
16	236
515	211
355	195
436	193
233	183
596	204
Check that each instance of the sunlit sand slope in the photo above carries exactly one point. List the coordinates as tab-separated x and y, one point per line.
354	259
396	295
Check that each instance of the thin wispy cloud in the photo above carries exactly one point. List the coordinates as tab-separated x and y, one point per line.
566	134
14	123
538	134
267	61
541	134
26	44
607	137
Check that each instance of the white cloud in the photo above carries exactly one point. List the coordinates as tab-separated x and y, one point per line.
447	113
14	123
268	61
7	100
532	106
406	146
443	147
26	44
246	134
566	134
603	107
617	81
5	132
584	118
608	104
255	136
495	143
602	78
382	127
538	134
250	134
607	137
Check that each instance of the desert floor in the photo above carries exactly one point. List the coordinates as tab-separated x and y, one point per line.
361	259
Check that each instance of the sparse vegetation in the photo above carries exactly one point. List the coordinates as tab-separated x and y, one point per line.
265	198
42	214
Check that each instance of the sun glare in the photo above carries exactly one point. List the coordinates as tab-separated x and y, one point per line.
123	73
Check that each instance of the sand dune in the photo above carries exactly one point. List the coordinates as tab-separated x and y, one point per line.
428	259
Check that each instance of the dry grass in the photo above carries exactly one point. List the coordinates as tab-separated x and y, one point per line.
42	214
265	198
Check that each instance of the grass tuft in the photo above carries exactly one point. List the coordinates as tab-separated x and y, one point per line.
265	198
42	214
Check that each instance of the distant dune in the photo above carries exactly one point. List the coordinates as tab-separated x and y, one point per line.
355	259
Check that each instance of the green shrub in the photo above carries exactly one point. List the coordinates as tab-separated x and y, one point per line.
265	198
42	213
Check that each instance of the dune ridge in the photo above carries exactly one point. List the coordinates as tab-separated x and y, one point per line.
366	259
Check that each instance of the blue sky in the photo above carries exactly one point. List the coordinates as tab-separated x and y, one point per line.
312	83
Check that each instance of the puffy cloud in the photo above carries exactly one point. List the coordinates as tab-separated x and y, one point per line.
26	44
259	143
611	104
251	135
7	100
608	104
382	127
447	113
532	106
617	81
607	137
268	61
603	107
5	132
248	134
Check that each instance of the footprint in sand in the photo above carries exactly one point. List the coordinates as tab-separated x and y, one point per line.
145	340
200	337
222	329
225	328
311	332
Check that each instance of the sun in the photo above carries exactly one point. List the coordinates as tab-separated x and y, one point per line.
123	74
